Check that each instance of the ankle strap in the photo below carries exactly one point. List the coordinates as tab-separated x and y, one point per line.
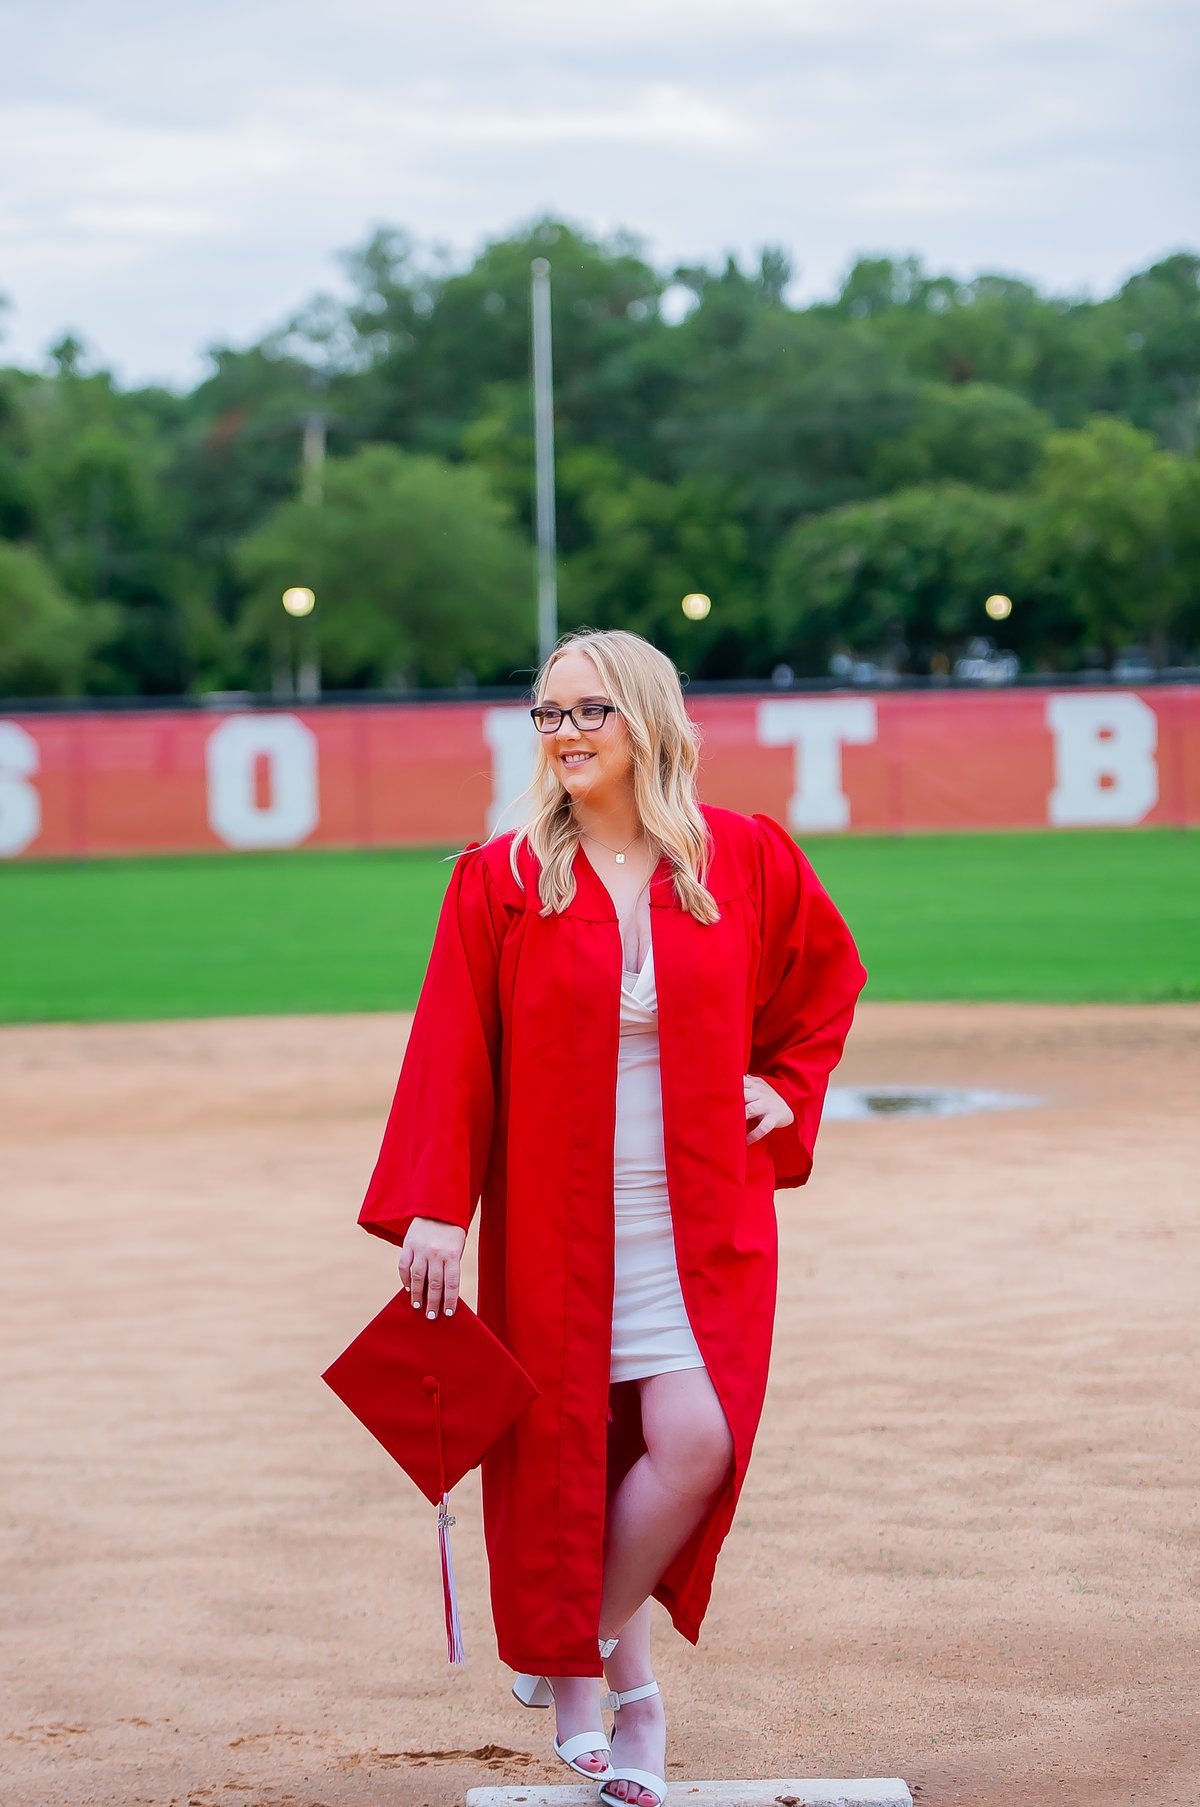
616	1701
607	1646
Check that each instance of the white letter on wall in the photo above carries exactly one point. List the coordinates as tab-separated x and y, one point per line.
1105	769
290	751
20	805
818	731
513	740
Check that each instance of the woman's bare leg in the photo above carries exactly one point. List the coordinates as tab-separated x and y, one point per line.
653	1512
629	1665
577	1709
639	1729
663	1497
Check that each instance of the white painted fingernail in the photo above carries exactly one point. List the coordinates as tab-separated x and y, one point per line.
431	1314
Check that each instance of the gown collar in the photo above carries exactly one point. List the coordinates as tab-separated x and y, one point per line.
730	873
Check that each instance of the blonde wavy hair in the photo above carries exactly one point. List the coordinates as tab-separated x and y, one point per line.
664	743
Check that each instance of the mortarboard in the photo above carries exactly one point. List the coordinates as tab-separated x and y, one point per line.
437	1393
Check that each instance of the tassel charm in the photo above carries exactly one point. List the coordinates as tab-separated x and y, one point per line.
454	1642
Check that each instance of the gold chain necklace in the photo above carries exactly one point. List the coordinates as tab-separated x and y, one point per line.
618	854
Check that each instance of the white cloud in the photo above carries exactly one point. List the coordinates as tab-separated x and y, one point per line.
660	115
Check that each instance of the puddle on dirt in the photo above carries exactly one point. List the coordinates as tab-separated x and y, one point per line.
858	1103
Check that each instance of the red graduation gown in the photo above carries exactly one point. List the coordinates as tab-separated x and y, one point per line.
507	1094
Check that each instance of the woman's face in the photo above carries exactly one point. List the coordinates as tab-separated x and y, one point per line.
592	766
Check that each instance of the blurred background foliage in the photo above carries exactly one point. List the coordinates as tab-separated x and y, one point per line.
849	478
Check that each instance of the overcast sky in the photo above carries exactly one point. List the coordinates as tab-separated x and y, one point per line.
180	176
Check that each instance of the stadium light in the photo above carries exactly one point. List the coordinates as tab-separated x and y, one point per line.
696	605
999	608
299	601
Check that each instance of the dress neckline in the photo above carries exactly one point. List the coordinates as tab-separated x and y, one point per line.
629	973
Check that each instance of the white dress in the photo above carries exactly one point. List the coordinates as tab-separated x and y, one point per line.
651	1333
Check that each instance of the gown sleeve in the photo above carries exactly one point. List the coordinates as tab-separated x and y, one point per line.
438	1136
810	976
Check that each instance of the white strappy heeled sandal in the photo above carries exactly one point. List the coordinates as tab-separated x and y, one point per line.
623	1772
535	1691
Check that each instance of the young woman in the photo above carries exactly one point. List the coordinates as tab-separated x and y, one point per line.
623	1042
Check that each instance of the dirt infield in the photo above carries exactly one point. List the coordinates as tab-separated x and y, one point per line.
969	1552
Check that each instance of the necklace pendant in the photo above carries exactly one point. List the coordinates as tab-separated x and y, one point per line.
620	859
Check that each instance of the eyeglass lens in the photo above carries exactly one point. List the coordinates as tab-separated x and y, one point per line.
586	715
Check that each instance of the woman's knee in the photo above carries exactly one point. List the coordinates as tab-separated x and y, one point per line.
691	1445
700	1455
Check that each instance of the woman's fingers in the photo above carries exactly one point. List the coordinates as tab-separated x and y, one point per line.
762	1107
442	1286
433	1283
434	1287
430	1267
756	1106
764	1102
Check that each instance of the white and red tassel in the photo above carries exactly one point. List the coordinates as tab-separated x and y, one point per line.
454	1642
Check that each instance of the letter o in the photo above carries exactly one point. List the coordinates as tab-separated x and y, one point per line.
292	810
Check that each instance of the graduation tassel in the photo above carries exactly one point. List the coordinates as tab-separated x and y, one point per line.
454	1642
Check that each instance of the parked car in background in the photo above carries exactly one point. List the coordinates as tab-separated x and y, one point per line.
985	664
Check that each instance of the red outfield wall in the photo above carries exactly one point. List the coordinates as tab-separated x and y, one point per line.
442	773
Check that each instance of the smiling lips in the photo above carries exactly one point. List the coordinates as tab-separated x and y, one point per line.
575	758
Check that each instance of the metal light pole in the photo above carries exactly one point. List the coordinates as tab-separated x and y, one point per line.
543	430
312	464
312	459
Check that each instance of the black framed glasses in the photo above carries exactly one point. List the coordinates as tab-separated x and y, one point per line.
585	717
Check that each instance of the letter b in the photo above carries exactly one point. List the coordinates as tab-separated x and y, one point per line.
1105	765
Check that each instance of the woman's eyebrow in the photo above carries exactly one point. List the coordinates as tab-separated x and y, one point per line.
548	702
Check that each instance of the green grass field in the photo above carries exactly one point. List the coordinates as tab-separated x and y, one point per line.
1052	916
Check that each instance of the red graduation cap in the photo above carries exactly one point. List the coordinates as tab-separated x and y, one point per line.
437	1393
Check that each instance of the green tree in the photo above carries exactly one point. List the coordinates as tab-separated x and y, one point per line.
898	580
974	433
46	636
97	506
18	503
787	422
428	342
701	443
1112	538
729	301
1159	313
237	456
643	546
418	571
878	285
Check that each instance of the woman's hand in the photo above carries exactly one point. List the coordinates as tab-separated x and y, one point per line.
429	1264
764	1102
